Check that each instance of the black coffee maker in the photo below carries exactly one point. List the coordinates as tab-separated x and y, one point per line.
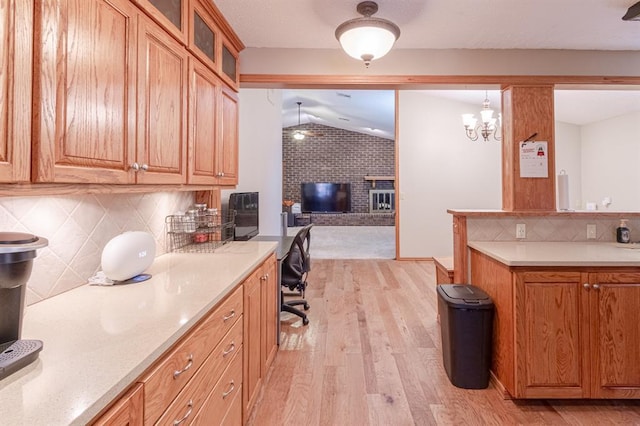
17	251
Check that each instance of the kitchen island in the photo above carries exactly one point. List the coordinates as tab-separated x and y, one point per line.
567	317
99	340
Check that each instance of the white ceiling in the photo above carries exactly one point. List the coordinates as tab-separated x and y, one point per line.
441	24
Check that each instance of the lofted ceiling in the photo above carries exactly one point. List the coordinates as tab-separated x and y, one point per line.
441	24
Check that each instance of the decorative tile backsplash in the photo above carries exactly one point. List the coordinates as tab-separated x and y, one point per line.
78	227
547	228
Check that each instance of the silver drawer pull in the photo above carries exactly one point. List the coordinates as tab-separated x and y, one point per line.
189	410
232	347
231	315
232	386
186	367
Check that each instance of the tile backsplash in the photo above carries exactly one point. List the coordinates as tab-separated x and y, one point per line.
78	227
547	228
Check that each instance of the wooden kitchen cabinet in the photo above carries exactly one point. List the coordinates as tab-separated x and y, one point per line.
16	29
112	89
614	302
204	94
229	64
162	106
85	87
227	142
563	332
204	34
172	15
259	329
127	411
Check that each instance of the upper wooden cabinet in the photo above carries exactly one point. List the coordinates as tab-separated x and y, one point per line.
16	29
204	35
227	145
105	71
230	71
84	91
162	107
171	14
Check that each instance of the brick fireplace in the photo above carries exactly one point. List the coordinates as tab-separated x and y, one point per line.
336	155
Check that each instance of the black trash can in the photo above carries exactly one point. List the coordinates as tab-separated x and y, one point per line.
466	321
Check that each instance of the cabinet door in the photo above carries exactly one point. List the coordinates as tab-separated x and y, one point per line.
127	411
552	335
229	64
227	144
162	111
270	317
171	14
252	377
615	335
16	29
85	67
204	37
204	88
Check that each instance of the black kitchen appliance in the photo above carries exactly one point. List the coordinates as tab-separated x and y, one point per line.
17	251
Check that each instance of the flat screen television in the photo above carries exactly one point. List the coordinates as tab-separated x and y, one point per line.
247	210
326	197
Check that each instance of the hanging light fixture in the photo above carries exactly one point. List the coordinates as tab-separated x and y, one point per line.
297	134
487	127
367	38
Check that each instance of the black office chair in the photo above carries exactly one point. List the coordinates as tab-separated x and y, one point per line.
295	267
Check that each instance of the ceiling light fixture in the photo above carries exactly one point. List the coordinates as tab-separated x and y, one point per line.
486	127
367	38
298	135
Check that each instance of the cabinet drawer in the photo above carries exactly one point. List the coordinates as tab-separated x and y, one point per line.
224	403
193	397
172	373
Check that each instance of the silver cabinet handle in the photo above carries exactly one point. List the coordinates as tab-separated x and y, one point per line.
263	278
220	174
189	410
586	285
144	167
231	315
232	386
186	367
232	347
135	167
596	286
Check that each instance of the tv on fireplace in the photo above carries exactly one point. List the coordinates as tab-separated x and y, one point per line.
326	197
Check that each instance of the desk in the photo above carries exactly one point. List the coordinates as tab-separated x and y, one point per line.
284	243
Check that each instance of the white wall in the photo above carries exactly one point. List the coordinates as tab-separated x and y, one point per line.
260	154
440	169
568	158
610	158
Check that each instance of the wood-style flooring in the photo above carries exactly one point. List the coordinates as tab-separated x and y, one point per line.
371	356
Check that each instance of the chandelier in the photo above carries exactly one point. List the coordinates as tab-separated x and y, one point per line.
489	126
367	38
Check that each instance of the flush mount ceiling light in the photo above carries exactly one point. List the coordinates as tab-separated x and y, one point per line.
487	127
367	38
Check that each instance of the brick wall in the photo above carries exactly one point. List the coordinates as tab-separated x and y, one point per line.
336	155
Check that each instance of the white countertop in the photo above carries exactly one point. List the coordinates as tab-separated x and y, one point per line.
584	254
98	340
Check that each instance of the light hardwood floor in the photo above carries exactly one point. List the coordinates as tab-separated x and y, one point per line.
371	356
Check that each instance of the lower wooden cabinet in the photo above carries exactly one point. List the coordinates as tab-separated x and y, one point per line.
203	378
127	411
563	332
260	321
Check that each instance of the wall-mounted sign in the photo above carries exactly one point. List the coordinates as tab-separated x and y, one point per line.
534	159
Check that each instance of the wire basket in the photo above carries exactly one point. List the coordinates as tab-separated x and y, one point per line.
199	234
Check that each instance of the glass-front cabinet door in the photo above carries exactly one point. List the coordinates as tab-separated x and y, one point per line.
171	14
203	34
230	65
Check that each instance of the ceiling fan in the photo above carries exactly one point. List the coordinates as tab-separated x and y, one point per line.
301	134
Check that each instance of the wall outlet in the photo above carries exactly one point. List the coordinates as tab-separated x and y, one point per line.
591	231
521	230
